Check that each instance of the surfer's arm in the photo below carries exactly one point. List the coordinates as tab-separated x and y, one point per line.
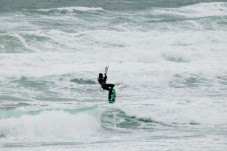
105	77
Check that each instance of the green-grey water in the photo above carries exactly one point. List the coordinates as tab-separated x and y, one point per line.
167	59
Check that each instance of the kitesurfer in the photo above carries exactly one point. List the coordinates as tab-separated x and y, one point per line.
102	81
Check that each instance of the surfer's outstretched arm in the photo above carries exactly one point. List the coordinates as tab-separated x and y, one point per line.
105	77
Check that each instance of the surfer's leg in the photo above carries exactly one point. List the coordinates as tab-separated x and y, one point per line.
110	86
106	87
109	96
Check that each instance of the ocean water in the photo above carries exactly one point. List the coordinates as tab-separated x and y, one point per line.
167	59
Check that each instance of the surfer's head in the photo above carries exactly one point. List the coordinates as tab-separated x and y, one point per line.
100	75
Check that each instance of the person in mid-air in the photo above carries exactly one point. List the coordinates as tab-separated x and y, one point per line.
102	81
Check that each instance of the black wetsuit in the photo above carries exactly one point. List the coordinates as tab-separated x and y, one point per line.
108	87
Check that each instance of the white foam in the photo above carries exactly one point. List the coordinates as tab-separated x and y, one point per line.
197	10
50	125
73	9
145	62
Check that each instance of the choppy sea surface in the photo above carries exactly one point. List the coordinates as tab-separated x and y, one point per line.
167	59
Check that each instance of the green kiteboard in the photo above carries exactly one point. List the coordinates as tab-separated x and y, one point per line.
112	96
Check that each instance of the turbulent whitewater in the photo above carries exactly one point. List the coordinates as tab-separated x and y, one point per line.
167	59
